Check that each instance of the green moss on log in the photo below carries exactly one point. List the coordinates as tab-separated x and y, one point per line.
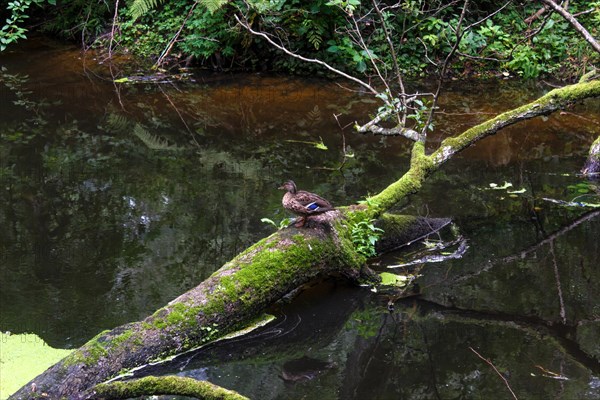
554	100
409	183
171	385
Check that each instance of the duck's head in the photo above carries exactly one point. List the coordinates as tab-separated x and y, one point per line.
289	186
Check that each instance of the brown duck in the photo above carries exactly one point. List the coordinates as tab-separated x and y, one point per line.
303	203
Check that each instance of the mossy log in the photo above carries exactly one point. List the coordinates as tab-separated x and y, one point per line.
264	273
228	300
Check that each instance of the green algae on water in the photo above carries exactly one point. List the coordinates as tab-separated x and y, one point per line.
22	358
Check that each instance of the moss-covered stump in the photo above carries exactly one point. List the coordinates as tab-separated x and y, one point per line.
228	300
174	385
591	167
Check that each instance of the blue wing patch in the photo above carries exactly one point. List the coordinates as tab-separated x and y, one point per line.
312	206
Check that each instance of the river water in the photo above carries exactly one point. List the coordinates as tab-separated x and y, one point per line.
116	198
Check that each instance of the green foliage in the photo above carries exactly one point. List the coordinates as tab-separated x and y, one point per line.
422	33
78	20
348	6
282	224
420	114
211	36
141	7
555	50
211	332
13	29
364	233
213	5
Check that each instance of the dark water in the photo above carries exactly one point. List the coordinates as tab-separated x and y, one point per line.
117	198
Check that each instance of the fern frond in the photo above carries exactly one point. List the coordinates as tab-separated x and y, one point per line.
117	123
141	7
213	5
153	142
314	32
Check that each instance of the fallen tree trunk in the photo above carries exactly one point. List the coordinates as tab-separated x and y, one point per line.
225	302
265	272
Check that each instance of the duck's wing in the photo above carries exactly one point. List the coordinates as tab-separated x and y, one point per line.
312	202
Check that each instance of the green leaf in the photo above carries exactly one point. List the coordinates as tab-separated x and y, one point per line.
320	145
268	221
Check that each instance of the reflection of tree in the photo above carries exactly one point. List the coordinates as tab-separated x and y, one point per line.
421	352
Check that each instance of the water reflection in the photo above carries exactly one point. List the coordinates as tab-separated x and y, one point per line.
117	198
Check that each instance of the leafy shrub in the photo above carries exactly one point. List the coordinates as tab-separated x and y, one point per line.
364	233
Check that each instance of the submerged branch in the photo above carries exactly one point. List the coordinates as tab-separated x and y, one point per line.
488	362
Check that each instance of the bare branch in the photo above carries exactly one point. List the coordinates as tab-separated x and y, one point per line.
395	131
392	50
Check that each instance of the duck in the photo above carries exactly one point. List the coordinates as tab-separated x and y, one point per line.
303	203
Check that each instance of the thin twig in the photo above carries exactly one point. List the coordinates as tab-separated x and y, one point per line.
310	60
561	302
167	50
495	369
112	29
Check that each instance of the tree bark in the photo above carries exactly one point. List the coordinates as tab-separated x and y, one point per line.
265	272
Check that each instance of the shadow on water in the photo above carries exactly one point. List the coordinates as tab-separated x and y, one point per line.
117	198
